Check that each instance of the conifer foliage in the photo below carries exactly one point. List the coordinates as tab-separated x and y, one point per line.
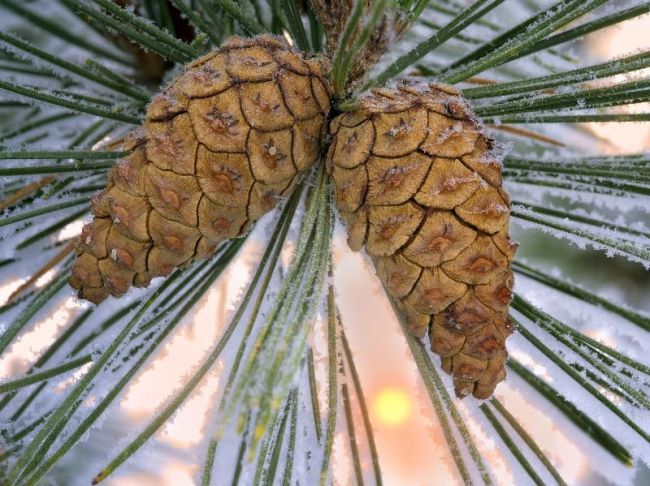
433	129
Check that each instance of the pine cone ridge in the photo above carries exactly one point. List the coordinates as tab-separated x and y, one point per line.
419	186
220	145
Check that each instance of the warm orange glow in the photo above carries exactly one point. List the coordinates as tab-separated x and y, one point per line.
172	474
31	343
185	349
392	406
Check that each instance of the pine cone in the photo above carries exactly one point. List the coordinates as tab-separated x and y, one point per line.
219	146
420	188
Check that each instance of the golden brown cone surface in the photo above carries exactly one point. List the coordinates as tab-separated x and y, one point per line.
420	189
220	145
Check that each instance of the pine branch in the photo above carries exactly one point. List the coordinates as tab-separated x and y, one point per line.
55	169
44	375
500	40
430	379
51	97
589	73
25	431
140	24
270	332
584	347
264	455
332	386
198	374
106	325
579	418
507	440
16	194
468	39
624	232
32	71
582	294
354	448
560	361
630	250
26	215
58	225
575	184
260	283
465	18
508	46
415	9
313	394
159	11
49	352
57	30
189	297
29	458
589	27
130	90
196	20
119	79
214	14
137	35
361	38
609	164
24	128
622	94
295	24
528	440
248	23
608	117
43	298
291	446
315	30
578	171
288	346
60	154
363	406
269	477
452	9
338	60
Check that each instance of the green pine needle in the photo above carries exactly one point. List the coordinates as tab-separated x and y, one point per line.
579	418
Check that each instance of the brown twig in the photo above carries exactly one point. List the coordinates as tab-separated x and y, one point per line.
472	80
44	269
24	192
109	144
481	81
527	134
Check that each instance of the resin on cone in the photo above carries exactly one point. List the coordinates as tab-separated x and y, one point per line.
419	186
219	147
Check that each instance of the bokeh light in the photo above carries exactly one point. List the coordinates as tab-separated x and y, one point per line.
392	406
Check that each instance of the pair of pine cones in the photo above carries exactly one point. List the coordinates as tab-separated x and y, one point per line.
415	180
